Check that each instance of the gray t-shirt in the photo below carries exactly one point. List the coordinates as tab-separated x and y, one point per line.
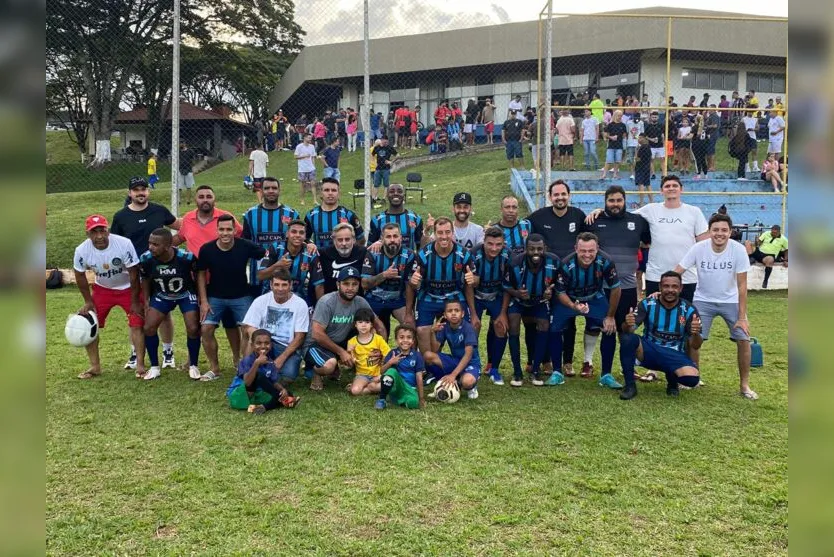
336	316
470	236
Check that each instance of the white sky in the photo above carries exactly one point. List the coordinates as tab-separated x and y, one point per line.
329	21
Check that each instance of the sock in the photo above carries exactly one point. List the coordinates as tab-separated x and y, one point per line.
387	383
193	350
628	352
689	380
529	339
491	338
152	346
607	347
515	355
568	343
555	345
590	346
167	346
768	270
498	351
671	380
132	350
541	345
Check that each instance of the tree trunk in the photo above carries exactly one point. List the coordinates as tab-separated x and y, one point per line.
102	129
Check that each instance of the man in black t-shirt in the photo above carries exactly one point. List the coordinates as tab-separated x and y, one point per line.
615	133
655	133
186	171
222	285
385	155
135	222
343	253
511	133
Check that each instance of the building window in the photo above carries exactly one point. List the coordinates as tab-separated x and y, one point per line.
766	82
709	79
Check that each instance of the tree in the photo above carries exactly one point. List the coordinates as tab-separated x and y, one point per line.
106	40
66	101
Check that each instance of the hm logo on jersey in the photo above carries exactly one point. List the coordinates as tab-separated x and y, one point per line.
167	271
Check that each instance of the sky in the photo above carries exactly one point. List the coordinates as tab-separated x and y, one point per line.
330	21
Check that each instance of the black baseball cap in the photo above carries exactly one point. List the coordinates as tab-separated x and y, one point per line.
137	182
348	272
462	197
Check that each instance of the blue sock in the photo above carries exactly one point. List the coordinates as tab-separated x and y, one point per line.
515	355
541	347
688	380
628	352
152	346
193	350
556	350
498	351
607	347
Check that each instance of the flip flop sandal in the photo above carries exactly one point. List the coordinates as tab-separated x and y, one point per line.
649	377
209	376
87	375
749	395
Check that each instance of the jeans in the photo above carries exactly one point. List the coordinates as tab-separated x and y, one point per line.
590	146
332	173
351	142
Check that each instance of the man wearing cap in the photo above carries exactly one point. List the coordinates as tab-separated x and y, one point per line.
332	325
511	137
114	261
135	222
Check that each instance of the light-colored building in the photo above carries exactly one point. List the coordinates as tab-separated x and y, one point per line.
609	55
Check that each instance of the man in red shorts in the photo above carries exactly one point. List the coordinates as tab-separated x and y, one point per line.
114	261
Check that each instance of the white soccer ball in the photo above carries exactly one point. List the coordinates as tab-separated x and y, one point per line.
446	393
81	330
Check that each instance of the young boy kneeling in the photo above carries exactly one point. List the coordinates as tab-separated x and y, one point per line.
463	364
403	378
256	387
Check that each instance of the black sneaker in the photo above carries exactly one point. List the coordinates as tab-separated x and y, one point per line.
764	284
672	390
429	380
629	392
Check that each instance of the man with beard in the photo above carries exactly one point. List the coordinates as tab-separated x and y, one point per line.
491	263
304	267
344	252
266	224
322	220
442	271
385	275
620	235
528	286
221	281
580	284
200	227
135	222
467	234
332	326
169	283
560	224
410	223
515	230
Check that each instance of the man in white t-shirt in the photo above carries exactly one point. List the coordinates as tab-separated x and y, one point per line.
516	105
114	261
722	266
305	154
776	132
751	124
287	318
258	161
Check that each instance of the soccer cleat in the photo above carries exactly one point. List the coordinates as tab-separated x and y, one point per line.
153	373
429	380
629	392
672	390
495	377
555	378
568	370
587	370
168	359
516	382
194	373
608	380
131	362
472	394
380	404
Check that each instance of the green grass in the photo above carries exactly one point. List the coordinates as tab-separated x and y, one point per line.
166	467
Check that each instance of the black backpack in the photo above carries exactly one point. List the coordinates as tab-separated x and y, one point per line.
55	279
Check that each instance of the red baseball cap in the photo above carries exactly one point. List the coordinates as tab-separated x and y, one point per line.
94	221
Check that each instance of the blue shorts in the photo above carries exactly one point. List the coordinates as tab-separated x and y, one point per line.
152	180
513	150
597	310
385	305
660	358
427	312
449	363
538	311
332	173
493	308
230	310
382	177
186	303
613	155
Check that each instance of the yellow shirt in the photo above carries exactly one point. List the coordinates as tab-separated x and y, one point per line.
151	167
779	108
369	356
772	246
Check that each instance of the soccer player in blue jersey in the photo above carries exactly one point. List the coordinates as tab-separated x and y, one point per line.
385	275
669	323
304	267
528	286
402	381
580	291
169	283
463	365
491	263
515	230
442	271
410	223
322	219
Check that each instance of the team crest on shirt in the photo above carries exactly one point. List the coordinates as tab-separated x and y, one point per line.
285	219
116	262
305	267
401	267
630	225
524	233
458	267
343	219
682	320
572	227
412	223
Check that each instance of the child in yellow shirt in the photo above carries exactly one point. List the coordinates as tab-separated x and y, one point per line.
153	177
368	350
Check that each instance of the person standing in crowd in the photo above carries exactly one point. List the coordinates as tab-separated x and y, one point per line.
776	133
153	177
713	127
258	161
588	135
739	147
487	118
566	136
598	110
471	121
185	180
352	128
305	155
615	134
643	168
655	133
330	158
700	142
304	266
751	124
634	128
683	147
515	109
511	133
385	156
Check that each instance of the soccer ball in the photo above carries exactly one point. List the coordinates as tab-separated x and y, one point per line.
81	330
248	183
447	394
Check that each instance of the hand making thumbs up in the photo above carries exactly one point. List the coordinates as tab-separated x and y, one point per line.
416	279
391	272
469	277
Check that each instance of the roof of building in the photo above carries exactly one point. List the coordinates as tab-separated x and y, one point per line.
188	111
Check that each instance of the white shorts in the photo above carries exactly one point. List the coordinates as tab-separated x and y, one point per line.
186	181
658	152
467	128
775	146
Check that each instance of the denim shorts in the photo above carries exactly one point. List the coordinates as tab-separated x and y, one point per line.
332	173
513	150
613	155
234	308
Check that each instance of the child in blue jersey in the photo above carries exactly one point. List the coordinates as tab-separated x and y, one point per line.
402	381
463	365
257	387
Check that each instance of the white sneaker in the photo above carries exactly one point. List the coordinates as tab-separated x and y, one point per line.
131	362
194	373
516	383
537	382
747	167
153	373
756	166
472	394
168	360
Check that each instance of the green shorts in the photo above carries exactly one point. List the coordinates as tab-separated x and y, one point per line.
402	393
239	398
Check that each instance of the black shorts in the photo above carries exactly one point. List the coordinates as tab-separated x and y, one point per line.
643	178
566	149
759	256
687	293
628	302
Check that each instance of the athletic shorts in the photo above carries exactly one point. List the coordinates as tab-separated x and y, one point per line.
186	181
489	127
152	180
708	311
229	311
566	149
307	176
538	311
661	358
448	365
758	256
492	307
317	356
427	312
384	305
628	301
774	146
597	310
401	393
106	299
513	150
467	128
658	152
643	178
165	306
240	399
687	293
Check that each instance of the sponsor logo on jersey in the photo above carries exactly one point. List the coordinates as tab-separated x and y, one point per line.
342	319
572	227
166	271
630	225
